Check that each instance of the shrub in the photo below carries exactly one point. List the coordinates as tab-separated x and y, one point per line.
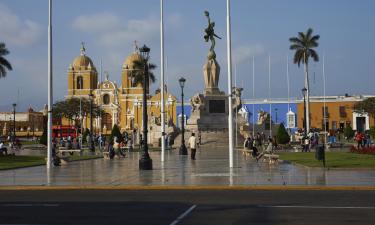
282	135
85	134
372	132
364	150
348	132
43	138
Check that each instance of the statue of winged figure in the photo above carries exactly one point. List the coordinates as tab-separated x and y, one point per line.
210	33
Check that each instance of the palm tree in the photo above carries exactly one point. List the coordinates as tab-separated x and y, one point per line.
138	74
303	46
4	64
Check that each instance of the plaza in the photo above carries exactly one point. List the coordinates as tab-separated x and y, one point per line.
209	169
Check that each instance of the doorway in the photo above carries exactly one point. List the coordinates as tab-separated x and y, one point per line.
361	123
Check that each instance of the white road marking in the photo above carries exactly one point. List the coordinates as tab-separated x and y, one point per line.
316	207
183	215
29	205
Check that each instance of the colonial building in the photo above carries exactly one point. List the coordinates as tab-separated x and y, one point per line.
122	104
27	124
336	113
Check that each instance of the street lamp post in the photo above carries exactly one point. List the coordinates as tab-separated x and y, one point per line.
92	147
145	162
14	122
276	115
304	90
183	150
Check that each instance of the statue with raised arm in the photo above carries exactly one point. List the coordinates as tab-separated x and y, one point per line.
210	35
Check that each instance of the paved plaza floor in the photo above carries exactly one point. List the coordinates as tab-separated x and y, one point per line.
211	168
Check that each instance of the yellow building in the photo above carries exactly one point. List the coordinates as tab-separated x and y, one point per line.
122	104
339	113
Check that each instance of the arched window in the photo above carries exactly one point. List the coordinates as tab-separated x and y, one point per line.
106	99
79	82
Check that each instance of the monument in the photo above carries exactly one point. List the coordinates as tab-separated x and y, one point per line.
209	110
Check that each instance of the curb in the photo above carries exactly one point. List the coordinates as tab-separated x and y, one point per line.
186	188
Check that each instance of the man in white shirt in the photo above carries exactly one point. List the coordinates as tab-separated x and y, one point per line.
193	145
3	149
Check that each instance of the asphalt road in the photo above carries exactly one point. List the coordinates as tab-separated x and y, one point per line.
187	207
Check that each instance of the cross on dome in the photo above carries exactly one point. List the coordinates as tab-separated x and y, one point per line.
83	50
136	49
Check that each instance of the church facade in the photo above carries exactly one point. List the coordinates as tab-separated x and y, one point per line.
122	104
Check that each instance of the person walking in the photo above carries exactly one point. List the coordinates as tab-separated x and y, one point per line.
193	145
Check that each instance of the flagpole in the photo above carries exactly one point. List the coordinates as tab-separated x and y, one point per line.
287	80
253	96
230	110
269	92
324	101
50	90
235	85
162	113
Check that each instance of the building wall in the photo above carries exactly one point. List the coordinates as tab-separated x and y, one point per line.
334	117
27	123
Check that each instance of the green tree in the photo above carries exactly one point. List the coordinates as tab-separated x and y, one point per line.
43	138
71	109
86	133
282	135
116	133
348	132
139	73
4	63
304	45
367	105
372	132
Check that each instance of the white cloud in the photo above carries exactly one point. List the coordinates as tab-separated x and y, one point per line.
113	31
245	52
100	22
16	31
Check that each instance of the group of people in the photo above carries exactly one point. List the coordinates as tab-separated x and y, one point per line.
254	143
116	148
12	145
362	139
310	141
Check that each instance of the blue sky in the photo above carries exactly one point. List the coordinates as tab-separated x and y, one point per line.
259	29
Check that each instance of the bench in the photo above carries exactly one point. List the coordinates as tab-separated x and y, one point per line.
126	148
272	158
62	150
247	152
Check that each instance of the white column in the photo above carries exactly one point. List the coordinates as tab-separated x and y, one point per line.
50	90
162	113
230	110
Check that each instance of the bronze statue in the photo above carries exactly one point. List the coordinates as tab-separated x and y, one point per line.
210	35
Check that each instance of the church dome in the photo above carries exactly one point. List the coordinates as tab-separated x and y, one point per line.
129	61
83	61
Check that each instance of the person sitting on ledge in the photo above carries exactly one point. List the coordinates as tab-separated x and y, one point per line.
3	149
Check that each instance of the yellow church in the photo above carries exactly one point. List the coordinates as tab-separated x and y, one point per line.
122	104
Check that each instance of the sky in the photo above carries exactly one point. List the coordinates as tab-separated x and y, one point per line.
260	29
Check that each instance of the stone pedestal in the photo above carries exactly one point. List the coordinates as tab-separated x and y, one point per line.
210	108
210	113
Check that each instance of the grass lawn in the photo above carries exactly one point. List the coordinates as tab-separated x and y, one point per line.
19	161
11	162
333	159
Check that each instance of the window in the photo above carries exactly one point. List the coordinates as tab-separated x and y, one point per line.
325	112
342	110
79	82
106	99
